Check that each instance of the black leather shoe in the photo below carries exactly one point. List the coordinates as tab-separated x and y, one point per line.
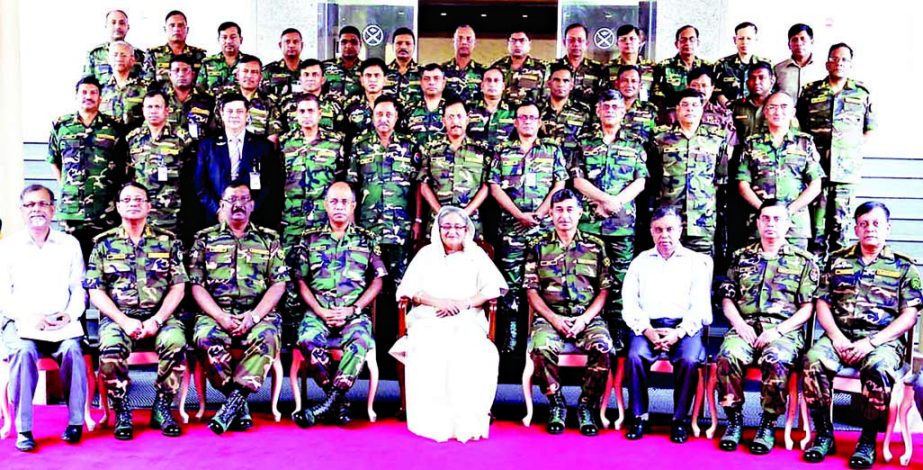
636	430
72	434
243	421
586	420
864	456
25	442
678	433
303	419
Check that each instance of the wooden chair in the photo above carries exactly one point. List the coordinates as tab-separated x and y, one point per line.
144	358
201	383
660	366
45	365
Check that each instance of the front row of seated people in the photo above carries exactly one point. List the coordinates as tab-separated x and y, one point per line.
866	300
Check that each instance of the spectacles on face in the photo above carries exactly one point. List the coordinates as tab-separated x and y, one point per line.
527	118
457	228
40	204
136	199
237	200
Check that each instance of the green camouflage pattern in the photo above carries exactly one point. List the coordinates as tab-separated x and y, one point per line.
194	115
405	87
464	83
567	277
527	178
265	118
92	163
123	102
215	73
136	276
384	176
356	117
565	126
279	81
647	76
832	217
455	176
671	77
775	361
748	118
589	77
163	166
260	347
97	64
115	346
331	114
641	119
731	75
491	128
547	344
316	339
157	63
525	84
421	123
341	82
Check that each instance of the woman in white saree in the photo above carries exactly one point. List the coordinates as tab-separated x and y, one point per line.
450	364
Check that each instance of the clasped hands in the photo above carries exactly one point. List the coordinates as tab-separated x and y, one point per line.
570	327
663	338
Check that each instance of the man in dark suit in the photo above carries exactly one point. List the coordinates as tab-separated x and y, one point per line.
235	155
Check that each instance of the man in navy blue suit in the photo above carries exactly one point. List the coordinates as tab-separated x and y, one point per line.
233	155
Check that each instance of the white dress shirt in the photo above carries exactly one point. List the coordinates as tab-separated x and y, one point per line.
236	152
678	287
791	77
37	281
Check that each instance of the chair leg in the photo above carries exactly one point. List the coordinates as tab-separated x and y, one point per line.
91	391
897	395
604	404
184	392
697	404
712	401
277	375
904	417
805	422
791	411
103	401
372	361
527	372
293	373
200	386
619	396
5	411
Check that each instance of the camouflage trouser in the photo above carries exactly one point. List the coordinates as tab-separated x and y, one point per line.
115	346
832	217
621	251
547	344
878	373
511	309
775	361
705	244
354	338
260	346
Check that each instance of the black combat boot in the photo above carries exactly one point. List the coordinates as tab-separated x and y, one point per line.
586	420
765	438
320	411
341	414
734	430
824	444
243	421
123	427
557	413
228	412
864	456
162	415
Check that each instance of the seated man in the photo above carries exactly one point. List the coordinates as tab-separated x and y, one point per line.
767	298
567	277
338	270
238	275
868	298
666	300
41	301
136	278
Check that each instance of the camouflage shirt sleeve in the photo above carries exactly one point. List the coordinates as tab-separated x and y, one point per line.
297	261
809	280
560	167
177	268
94	276
823	289
604	268
424	176
727	289
576	169
197	261
376	268
813	171
911	295
871	122
278	270
495	175
743	166
530	278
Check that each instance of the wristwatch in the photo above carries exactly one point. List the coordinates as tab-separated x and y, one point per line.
255	317
157	322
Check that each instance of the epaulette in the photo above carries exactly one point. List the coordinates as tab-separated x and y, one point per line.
593	239
802	252
207	230
291	134
266	231
906	257
106	234
862	86
367	233
162	231
311	231
661	129
134	132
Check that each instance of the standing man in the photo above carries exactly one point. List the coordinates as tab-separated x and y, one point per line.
423	119
794	73
338	270
491	119
312	83
587	74
97	63
767	298
41	301
462	74
667	301
523	75
136	278
238	274
157	64
563	115
265	119
731	71
567	278
190	108
218	70
747	111
282	77
524	173
342	74
87	154
629	41
869	298
640	114
403	79
672	75
357	110
121	96
837	112
782	164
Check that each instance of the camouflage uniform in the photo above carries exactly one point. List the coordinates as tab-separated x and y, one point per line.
647	76
690	171
526	179
568	278
748	118
215	72
357	117
491	129
265	118
588	78
337	272
195	115
422	124
731	76
611	168
781	173
97	63
405	87
454	175
157	62
137	277
341	82
236	272
863	300
92	163
565	126
525	84
766	292
838	122
164	166
464	83
671	77
331	114
123	102
641	118
279	80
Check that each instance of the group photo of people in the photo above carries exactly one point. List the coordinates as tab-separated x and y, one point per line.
452	220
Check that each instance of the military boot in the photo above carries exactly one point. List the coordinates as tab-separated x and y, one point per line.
341	414
557	413
162	415
824	444
733	431
321	410
243	421
765	438
586	420
864	456
123	427
228	412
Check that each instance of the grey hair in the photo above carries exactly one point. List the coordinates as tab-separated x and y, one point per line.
448	210
131	49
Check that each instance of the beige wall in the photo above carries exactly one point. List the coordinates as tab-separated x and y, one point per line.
11	164
486	51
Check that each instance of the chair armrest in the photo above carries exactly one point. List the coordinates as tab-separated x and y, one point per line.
492	320
403	306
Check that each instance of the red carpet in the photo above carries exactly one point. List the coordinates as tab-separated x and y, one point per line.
388	444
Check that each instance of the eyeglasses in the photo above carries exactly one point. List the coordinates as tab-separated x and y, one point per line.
129	200
527	118
40	204
237	200
457	228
